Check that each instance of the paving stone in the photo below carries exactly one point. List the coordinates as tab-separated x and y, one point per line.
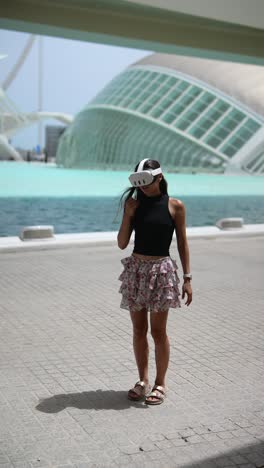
211	437
256	459
239	460
248	465
66	362
148	447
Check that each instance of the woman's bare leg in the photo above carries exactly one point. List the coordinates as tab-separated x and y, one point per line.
158	321
140	342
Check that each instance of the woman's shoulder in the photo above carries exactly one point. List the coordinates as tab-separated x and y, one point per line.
176	204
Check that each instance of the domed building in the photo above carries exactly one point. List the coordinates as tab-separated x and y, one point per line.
192	114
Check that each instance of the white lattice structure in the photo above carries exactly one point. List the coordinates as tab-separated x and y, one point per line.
192	114
12	120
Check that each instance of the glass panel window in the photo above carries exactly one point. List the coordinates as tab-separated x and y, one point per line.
254	161
135	104
177	109
156	112
146	108
235	143
253	126
186	100
194	91
199	106
207	98
222	106
191	115
228	123
134	93
153	87
172	81
213	141
225	126
154	99
258	167
168	118
183	85
167	101
175	93
220	133
204	123
144	95
182	124
162	79
244	133
163	105
197	132
231	148
153	75
236	115
229	151
125	103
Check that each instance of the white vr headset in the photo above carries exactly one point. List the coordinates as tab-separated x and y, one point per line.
143	177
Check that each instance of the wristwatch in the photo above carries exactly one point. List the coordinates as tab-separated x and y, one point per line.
187	275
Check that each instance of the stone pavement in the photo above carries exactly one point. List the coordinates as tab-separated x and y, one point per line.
66	363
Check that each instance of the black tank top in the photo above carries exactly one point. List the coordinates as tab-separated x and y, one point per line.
153	226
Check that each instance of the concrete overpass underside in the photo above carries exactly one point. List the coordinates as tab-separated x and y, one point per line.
222	30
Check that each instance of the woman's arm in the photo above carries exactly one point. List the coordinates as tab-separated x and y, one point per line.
179	217
126	227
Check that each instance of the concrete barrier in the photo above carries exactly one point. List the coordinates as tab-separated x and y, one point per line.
230	223
30	233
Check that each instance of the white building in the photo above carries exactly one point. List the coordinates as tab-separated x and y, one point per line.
192	114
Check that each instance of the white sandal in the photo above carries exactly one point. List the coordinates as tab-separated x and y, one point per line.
157	392
140	390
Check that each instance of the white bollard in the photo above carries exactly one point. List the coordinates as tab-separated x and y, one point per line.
230	223
37	233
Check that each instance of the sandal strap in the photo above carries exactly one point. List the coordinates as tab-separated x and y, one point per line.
156	394
140	388
160	389
140	383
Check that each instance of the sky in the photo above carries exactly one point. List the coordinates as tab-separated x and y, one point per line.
73	73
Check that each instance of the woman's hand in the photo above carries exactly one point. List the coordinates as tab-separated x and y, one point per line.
126	227
187	289
131	206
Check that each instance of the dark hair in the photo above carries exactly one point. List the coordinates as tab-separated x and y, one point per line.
149	164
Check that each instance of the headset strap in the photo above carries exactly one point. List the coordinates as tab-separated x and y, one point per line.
156	171
141	164
153	171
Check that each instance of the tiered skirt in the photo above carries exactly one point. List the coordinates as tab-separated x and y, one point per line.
149	284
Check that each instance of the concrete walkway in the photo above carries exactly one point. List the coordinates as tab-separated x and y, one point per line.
66	363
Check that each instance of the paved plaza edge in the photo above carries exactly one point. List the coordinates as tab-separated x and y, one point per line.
66	362
14	243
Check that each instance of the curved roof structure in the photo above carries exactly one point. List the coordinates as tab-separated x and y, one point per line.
193	115
240	81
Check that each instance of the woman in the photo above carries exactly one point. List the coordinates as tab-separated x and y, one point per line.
150	280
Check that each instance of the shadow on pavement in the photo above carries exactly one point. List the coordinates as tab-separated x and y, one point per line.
247	456
96	400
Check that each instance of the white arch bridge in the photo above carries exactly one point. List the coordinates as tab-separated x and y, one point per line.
11	121
11	118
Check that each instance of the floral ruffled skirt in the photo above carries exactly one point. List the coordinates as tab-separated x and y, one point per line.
150	284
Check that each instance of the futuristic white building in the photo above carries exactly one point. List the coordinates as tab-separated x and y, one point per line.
192	114
12	119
